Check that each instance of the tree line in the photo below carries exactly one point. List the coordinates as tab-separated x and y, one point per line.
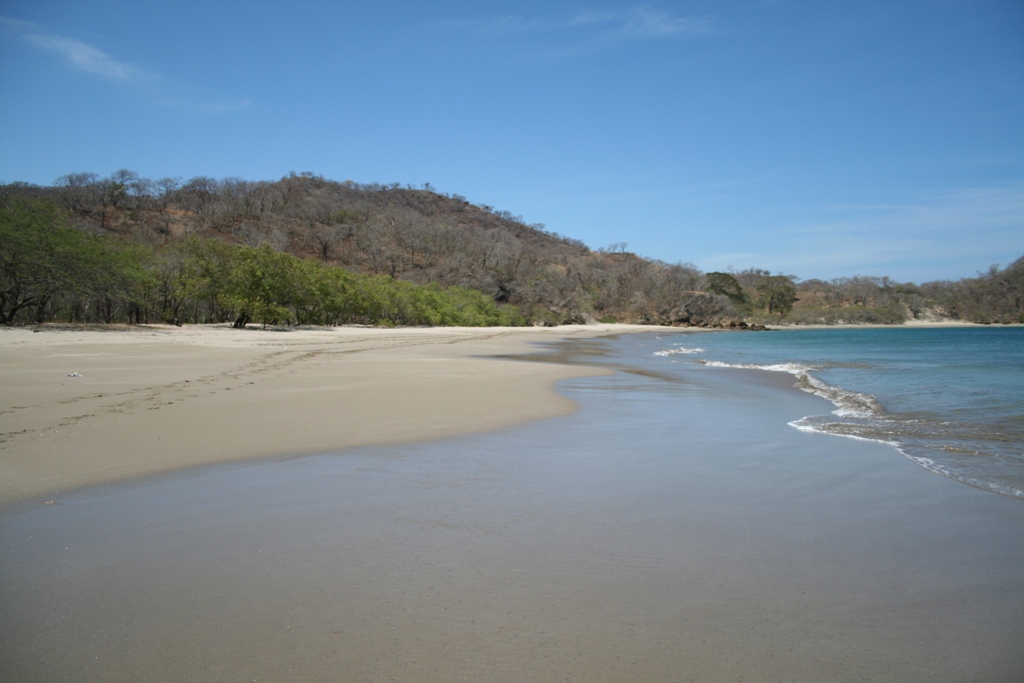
50	270
409	239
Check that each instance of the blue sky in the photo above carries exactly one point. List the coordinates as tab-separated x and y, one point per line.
820	139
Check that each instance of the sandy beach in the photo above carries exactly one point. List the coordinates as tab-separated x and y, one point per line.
84	406
667	524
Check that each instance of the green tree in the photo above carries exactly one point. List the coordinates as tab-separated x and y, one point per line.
262	285
41	257
726	285
193	277
122	288
776	294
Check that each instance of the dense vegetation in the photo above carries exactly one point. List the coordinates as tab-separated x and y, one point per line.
50	271
312	251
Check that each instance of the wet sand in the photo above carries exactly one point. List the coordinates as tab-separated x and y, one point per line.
81	407
674	528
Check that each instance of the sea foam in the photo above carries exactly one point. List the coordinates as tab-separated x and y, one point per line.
848	403
680	350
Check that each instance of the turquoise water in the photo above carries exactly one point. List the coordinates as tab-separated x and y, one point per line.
950	399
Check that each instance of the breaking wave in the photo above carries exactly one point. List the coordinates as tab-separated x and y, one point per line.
849	404
677	351
945	448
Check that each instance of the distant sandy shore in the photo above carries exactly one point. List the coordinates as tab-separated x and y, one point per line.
908	323
86	406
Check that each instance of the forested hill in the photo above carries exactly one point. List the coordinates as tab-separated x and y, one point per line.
183	250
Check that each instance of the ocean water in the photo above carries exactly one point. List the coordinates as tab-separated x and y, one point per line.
949	399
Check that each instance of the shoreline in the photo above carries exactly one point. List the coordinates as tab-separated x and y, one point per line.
674	526
917	324
86	406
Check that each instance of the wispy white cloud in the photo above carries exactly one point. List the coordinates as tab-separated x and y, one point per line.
640	22
634	23
17	25
90	59
918	239
535	40
951	215
94	61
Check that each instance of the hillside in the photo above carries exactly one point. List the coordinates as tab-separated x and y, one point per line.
420	236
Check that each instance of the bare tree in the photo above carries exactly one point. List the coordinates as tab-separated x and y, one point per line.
199	195
79	192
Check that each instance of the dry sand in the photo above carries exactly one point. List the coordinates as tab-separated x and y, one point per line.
84	406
